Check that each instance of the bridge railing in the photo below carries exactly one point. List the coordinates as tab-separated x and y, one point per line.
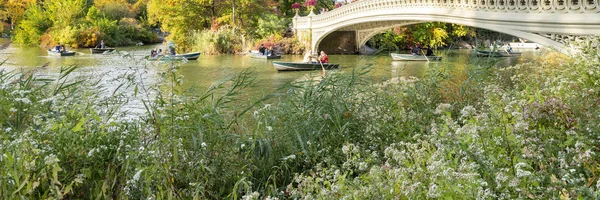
506	6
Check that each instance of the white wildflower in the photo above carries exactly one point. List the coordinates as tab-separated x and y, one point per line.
252	196
91	152
269	128
271	198
203	144
50	159
290	157
433	192
136	176
79	178
467	111
520	171
443	107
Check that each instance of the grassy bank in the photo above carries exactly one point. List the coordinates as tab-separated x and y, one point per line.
479	132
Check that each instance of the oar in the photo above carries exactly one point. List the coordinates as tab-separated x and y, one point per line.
424	55
324	72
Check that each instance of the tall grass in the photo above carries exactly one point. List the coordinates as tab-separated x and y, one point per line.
482	133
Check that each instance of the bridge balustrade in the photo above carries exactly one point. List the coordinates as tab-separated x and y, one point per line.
507	6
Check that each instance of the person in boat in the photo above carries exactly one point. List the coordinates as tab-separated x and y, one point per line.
172	50
101	45
323	58
428	51
153	53
270	51
62	48
308	57
508	48
57	48
261	49
416	50
160	52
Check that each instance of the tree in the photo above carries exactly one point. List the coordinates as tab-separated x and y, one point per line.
13	11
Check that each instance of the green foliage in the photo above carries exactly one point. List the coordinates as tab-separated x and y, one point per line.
460	132
271	24
33	26
78	23
226	40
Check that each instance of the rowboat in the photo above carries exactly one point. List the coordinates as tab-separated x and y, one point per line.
62	53
258	55
189	56
410	57
99	50
301	66
499	53
165	58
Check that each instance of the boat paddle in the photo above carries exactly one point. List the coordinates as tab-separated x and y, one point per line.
323	68
424	55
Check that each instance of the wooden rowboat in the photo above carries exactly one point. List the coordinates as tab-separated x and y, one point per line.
63	53
410	57
499	53
301	66
165	58
98	50
188	56
258	55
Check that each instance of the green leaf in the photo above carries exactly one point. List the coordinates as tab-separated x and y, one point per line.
79	126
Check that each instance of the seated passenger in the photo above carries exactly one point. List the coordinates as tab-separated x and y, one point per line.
323	58
428	52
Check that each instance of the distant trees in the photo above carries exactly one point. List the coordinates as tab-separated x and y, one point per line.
434	34
83	23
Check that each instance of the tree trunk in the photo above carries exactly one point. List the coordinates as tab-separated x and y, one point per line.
233	12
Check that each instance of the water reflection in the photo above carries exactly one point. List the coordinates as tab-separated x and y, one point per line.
210	68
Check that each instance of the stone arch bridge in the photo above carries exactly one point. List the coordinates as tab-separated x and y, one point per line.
551	23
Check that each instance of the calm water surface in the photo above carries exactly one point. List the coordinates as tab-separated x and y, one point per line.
210	68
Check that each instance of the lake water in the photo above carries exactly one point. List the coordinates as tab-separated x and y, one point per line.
210	68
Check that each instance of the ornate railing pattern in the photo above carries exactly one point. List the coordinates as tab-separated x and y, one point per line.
507	6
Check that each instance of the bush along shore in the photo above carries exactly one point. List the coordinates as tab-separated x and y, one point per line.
475	132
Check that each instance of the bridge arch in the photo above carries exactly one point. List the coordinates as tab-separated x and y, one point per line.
410	20
550	23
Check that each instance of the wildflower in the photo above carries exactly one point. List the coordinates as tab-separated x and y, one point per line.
79	178
136	176
203	144
269	128
467	111
50	159
290	157
443	107
251	196
433	192
520	171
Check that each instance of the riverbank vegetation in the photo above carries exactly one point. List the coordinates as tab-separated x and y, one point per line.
475	132
80	23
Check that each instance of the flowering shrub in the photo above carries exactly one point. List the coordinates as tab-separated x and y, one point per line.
310	4
296	7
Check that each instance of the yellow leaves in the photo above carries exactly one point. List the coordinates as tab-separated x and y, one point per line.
564	195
